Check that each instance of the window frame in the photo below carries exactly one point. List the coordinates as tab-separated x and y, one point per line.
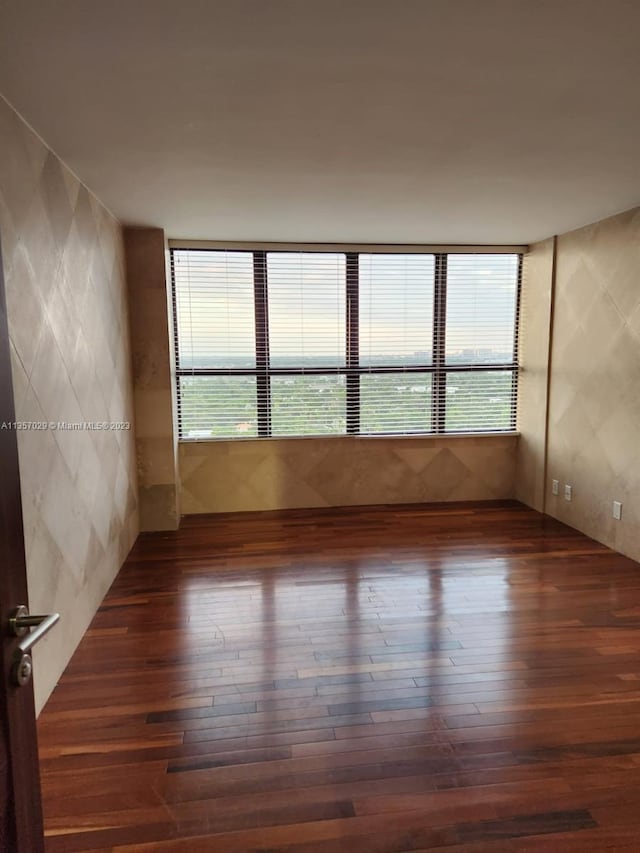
351	369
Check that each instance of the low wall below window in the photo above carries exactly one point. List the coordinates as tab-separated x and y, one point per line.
233	476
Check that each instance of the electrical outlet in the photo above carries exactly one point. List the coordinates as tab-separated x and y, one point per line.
568	492
617	510
555	487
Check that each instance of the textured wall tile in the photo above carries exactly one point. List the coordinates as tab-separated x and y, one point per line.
158	507
594	431
222	476
68	324
26	306
155	462
156	443
20	168
532	384
154	418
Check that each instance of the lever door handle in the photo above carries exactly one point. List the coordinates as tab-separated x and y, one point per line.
19	624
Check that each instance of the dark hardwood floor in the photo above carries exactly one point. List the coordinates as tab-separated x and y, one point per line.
462	677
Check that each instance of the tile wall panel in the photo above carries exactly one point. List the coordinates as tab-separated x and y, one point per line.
234	476
535	308
68	320
153	379
594	407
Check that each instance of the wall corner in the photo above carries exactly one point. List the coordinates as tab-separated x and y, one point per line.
536	305
151	347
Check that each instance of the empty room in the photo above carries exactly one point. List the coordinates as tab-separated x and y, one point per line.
320	426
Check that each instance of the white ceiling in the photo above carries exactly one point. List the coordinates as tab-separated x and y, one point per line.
481	121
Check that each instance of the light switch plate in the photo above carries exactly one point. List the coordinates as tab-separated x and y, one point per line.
617	510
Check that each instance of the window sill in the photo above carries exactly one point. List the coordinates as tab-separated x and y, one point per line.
445	436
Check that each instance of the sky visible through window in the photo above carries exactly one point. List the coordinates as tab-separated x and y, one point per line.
216	320
307	308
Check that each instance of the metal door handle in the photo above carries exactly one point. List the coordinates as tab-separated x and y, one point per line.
19	624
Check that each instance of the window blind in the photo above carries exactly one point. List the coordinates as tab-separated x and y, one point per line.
396	309
214	324
480	341
285	343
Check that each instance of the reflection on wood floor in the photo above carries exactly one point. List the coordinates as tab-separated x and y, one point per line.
461	677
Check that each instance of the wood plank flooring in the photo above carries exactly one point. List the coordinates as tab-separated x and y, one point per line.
369	680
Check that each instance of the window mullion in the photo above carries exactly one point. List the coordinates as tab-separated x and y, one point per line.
353	343
263	391
439	392
176	344
515	375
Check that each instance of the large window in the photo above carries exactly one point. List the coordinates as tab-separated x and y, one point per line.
281	343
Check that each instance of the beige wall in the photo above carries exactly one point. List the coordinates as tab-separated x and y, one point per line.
64	272
535	319
228	476
594	406
156	442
